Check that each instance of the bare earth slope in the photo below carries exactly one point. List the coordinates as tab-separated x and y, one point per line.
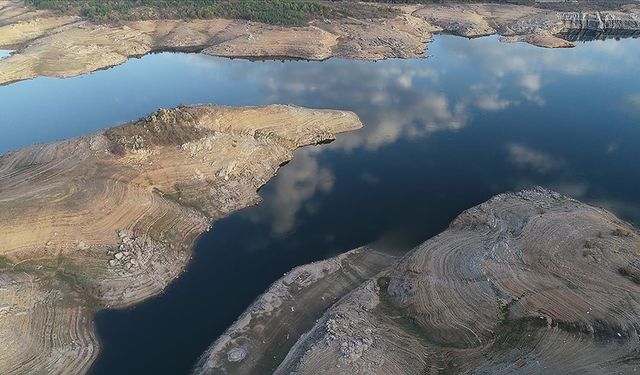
259	340
109	219
529	283
60	46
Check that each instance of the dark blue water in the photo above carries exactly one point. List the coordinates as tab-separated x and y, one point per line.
441	135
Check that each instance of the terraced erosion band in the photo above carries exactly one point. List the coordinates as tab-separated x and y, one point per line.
109	219
526	283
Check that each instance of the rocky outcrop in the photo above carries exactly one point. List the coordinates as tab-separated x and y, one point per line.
528	282
109	219
47	44
540	27
258	341
600	21
599	25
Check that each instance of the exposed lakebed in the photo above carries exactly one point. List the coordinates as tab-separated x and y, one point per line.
441	135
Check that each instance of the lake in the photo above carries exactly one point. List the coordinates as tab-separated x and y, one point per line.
441	134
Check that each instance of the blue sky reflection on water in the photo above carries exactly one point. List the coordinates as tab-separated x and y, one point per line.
461	77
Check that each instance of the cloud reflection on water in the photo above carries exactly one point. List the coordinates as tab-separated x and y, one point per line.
634	102
466	85
410	100
292	190
526	157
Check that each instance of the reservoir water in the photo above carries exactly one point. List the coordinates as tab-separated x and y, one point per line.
441	134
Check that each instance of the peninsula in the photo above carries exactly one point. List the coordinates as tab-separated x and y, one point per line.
109	219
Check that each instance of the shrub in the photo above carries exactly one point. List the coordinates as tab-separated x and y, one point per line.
621	232
282	12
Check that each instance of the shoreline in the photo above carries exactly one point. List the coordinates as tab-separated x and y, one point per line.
521	283
286	309
65	46
74	271
124	208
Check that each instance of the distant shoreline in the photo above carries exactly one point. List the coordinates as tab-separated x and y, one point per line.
49	44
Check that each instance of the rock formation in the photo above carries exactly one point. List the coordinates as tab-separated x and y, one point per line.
540	27
109	219
528	282
598	25
258	341
60	46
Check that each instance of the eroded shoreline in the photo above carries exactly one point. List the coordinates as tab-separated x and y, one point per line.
109	219
526	282
260	338
62	46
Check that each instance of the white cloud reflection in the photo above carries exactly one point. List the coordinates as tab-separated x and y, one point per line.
400	100
633	101
527	157
294	186
395	100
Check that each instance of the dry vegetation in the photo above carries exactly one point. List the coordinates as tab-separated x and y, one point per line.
276	12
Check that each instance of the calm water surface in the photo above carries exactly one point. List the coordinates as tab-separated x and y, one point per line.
5	53
441	135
